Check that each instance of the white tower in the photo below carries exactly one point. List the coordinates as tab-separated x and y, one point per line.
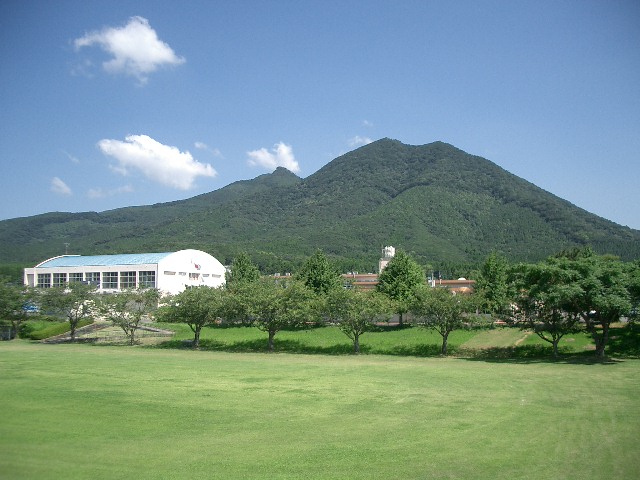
387	254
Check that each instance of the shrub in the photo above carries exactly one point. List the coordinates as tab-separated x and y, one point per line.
54	329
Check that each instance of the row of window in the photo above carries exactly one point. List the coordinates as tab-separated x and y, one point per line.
192	276
106	280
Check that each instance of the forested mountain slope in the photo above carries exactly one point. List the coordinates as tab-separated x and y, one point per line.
435	201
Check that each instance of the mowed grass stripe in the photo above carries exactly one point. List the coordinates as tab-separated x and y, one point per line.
76	411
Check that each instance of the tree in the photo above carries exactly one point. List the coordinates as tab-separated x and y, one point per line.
126	309
604	293
633	270
443	311
319	274
492	285
274	305
12	306
356	312
242	270
197	307
544	302
398	280
73	302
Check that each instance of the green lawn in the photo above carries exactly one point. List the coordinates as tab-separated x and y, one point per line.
88	412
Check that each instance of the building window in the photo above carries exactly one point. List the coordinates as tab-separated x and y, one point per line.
93	278
194	276
44	280
109	280
127	280
75	277
59	279
147	279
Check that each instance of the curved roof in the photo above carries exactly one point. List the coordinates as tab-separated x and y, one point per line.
103	260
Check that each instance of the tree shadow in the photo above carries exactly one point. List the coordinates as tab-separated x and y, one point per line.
529	354
260	345
420	350
624	341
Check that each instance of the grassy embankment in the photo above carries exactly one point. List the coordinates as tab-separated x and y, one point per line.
80	411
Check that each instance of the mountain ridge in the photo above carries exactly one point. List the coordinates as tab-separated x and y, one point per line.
435	201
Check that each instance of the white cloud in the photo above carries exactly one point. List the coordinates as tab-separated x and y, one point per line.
281	155
102	193
135	48
163	164
59	187
213	151
367	123
71	157
359	141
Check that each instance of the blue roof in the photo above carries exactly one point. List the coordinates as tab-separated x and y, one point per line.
103	260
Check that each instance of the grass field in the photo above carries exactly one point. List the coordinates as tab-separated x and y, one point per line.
110	412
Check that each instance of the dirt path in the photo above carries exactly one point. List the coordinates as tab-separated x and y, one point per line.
498	337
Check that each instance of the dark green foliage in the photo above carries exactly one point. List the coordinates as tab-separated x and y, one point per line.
445	207
242	270
357	312
13	298
127	309
544	302
276	305
399	279
443	311
73	302
605	291
196	307
493	286
319	274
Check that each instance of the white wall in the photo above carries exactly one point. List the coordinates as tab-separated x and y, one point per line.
189	268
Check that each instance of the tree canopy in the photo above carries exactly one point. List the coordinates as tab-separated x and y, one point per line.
242	270
126	309
74	302
443	311
197	307
356	312
398	280
274	305
319	274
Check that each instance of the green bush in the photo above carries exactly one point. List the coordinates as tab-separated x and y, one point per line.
57	328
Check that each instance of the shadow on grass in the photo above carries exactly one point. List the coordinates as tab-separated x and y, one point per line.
260	346
624	343
533	354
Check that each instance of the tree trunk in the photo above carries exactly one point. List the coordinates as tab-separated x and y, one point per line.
599	339
356	343
73	330
555	347
271	335
445	338
196	338
400	322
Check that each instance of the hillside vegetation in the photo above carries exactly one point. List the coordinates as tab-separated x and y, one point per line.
435	201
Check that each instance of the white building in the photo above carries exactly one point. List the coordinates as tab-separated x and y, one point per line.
169	272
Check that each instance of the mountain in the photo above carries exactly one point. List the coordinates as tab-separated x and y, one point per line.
434	201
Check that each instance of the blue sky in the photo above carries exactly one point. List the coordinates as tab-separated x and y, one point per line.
120	103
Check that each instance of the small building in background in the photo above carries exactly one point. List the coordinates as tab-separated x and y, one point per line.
169	272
